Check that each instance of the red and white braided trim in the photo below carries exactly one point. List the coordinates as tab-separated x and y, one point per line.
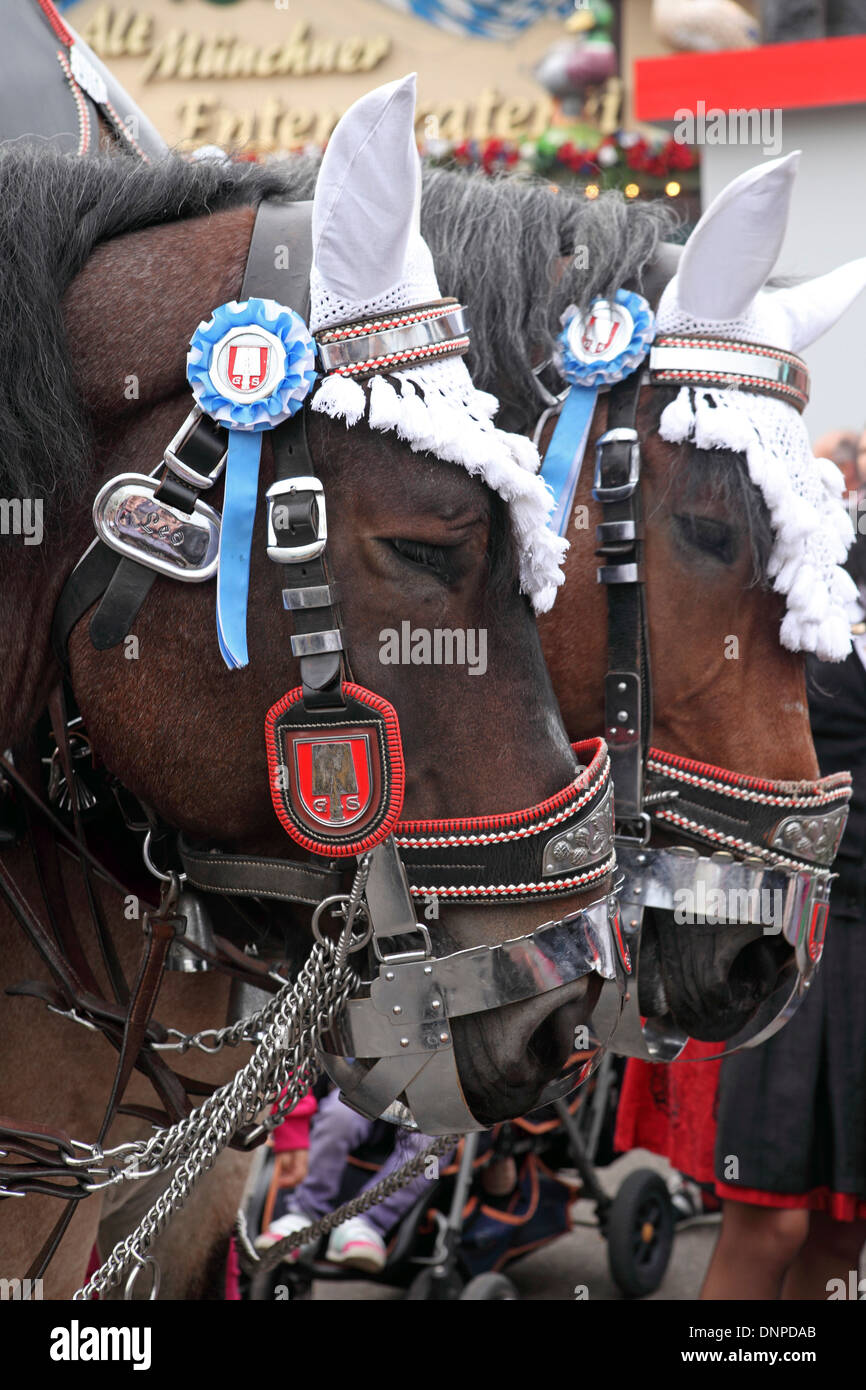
685	375
835	787
400	359
730	345
502	890
513	825
706	832
386	321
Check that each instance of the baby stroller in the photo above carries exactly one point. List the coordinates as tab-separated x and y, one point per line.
456	1241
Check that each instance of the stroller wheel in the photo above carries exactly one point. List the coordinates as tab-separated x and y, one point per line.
430	1287
640	1234
491	1288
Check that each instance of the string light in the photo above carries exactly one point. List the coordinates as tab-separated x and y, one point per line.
673	189
632	190
592	190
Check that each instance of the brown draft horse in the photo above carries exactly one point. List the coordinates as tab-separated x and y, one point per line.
708	532
741	706
101	286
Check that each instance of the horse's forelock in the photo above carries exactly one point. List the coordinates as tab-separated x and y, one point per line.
518	253
722	472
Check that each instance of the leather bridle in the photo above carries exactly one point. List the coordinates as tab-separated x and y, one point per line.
560	847
744	837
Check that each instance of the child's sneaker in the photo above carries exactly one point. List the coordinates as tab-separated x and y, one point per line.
358	1245
693	1203
279	1229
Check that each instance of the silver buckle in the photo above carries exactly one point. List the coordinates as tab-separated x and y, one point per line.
183	470
132	521
296	554
403	957
623	435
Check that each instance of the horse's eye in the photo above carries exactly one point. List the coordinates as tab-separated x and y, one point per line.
430	557
713	537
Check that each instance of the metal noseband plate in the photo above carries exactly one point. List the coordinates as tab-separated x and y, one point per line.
132	521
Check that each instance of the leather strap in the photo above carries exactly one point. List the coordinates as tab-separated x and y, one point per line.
246	875
628	685
280	255
159	932
131	582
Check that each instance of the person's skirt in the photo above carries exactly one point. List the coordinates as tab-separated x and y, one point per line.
791	1113
670	1109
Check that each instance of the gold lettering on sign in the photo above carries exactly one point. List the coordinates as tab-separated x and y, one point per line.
184	55
205	121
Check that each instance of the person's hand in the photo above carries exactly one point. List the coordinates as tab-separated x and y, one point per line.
292	1166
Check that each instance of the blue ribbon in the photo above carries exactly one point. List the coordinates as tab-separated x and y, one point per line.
564	456
236	538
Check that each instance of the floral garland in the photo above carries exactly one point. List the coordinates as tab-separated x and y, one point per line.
612	162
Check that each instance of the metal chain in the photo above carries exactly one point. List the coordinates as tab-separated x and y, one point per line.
252	1262
301	1014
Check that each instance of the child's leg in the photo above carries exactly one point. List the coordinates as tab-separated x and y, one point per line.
334	1132
385	1215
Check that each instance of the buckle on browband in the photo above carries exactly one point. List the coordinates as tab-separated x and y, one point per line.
183	470
616	493
277	495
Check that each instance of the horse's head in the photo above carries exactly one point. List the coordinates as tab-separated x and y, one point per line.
437	551
744	536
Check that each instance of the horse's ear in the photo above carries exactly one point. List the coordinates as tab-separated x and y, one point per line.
367	197
814	306
731	252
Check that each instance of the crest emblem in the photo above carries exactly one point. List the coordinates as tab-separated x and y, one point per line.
248	365
334	778
604	335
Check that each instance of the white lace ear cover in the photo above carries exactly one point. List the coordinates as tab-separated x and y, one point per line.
369	258
811	526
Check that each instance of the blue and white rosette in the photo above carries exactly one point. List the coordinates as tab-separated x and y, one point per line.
595	349
251	366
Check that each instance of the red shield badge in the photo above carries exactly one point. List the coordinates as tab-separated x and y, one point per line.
248	365
594	339
336	777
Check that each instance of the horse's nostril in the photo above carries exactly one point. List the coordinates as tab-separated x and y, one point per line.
756	968
565	1030
544	1045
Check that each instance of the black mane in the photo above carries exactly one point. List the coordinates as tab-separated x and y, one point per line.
55	209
